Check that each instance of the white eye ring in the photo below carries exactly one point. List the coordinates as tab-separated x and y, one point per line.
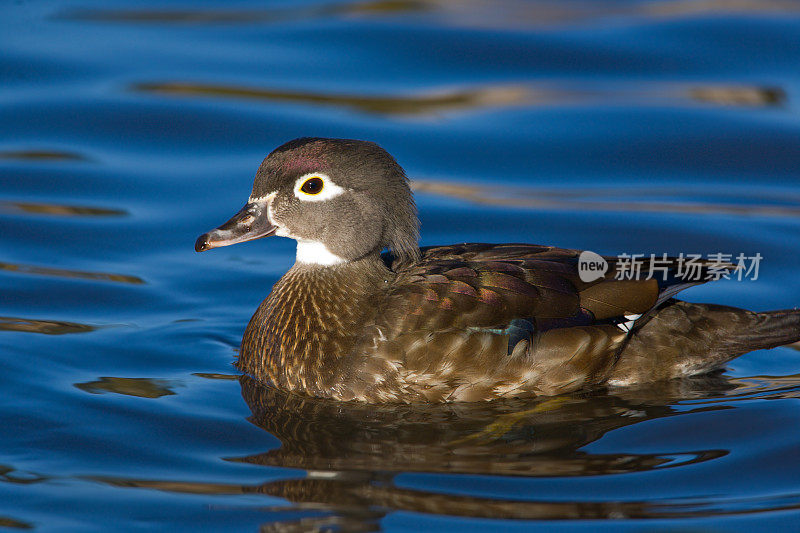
329	188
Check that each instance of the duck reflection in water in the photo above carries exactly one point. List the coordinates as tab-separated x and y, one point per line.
352	452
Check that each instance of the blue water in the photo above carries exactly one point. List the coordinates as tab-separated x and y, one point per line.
129	128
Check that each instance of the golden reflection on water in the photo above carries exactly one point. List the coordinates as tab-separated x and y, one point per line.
40	208
419	104
570	200
212	375
448	100
501	14
70	274
6	521
47	327
685	8
249	16
140	387
742	96
41	155
180	487
352	452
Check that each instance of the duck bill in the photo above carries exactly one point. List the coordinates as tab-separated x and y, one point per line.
251	222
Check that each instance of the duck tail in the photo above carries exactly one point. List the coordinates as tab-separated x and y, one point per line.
769	329
682	338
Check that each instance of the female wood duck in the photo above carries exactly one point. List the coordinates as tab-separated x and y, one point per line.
464	322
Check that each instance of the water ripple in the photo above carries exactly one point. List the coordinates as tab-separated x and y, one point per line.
580	200
342	494
247	16
60	210
47	327
458	99
42	155
420	104
500	14
140	387
6	521
70	274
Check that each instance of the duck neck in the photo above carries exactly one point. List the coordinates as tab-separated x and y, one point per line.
310	321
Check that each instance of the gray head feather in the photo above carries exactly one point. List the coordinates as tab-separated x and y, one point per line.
376	212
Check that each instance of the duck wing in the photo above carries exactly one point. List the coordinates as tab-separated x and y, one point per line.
489	285
475	321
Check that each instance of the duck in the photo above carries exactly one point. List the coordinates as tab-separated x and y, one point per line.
366	315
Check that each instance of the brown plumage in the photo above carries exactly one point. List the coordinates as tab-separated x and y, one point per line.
453	323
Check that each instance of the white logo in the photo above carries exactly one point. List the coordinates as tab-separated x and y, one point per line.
591	266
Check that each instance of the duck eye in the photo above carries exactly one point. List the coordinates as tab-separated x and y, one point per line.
312	185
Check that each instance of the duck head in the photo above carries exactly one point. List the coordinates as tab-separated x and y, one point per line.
340	199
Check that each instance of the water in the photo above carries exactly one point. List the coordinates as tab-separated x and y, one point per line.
127	129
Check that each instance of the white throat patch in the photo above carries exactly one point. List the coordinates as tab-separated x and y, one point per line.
316	253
